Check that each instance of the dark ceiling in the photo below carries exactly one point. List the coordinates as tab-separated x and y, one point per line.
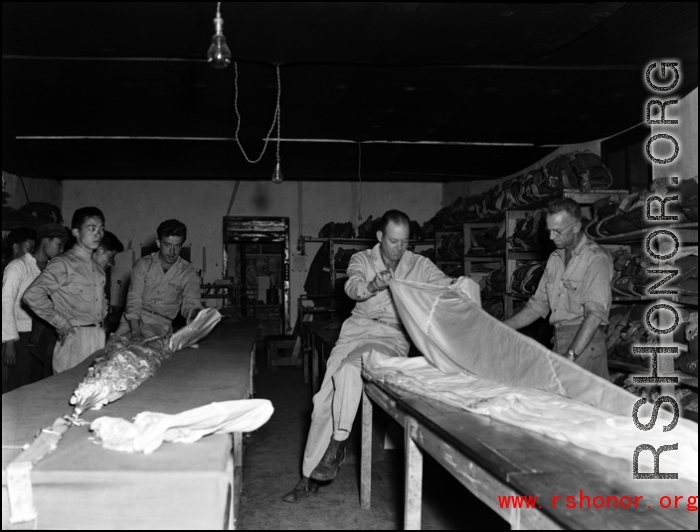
536	74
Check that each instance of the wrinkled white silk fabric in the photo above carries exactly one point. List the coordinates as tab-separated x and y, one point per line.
150	429
456	335
475	362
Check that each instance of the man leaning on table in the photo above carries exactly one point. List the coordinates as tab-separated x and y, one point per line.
576	288
162	284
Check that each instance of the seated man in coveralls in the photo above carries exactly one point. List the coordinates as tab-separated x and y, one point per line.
374	324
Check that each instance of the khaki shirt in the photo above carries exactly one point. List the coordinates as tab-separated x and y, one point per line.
151	288
70	290
364	267
582	287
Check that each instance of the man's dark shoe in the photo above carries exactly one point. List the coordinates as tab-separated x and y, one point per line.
304	489
327	469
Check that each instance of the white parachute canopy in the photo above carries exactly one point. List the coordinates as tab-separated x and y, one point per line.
449	327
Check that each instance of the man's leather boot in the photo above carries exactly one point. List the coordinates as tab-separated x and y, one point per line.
305	488
328	467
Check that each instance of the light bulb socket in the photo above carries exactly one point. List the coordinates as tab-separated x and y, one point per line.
277	176
219	24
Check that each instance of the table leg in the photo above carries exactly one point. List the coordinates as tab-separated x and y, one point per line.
305	356
236	465
314	365
414	479
366	466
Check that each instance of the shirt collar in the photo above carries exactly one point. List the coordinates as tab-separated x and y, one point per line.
379	262
81	253
155	260
583	243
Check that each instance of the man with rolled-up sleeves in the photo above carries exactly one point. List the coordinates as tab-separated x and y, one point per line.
576	288
162	284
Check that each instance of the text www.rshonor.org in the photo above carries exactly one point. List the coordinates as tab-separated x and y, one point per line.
584	501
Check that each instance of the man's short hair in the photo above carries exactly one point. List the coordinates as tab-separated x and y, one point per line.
110	242
172	228
83	214
398	217
566	205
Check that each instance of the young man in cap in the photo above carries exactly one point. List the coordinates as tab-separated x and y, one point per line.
17	243
576	288
162	284
69	293
18	366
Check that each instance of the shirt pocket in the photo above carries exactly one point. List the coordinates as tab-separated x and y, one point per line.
86	292
573	295
174	294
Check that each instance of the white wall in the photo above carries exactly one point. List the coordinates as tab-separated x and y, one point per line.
38	190
134	208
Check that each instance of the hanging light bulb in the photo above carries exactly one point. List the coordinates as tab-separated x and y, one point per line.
277	176
219	54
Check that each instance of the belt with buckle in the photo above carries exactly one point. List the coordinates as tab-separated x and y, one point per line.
98	324
156	313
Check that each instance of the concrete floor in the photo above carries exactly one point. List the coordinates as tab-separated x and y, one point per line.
272	465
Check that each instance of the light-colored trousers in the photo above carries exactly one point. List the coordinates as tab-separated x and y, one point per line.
336	403
77	347
594	357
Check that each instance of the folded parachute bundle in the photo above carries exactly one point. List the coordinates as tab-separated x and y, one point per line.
341	260
493	239
367	229
631	213
495	282
531	232
428	253
451	247
452	270
337	230
580	170
526	278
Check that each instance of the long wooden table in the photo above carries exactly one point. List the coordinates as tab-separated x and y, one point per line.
493	459
182	486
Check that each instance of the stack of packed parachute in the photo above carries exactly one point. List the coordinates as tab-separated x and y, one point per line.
577	170
616	218
627	328
631	277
